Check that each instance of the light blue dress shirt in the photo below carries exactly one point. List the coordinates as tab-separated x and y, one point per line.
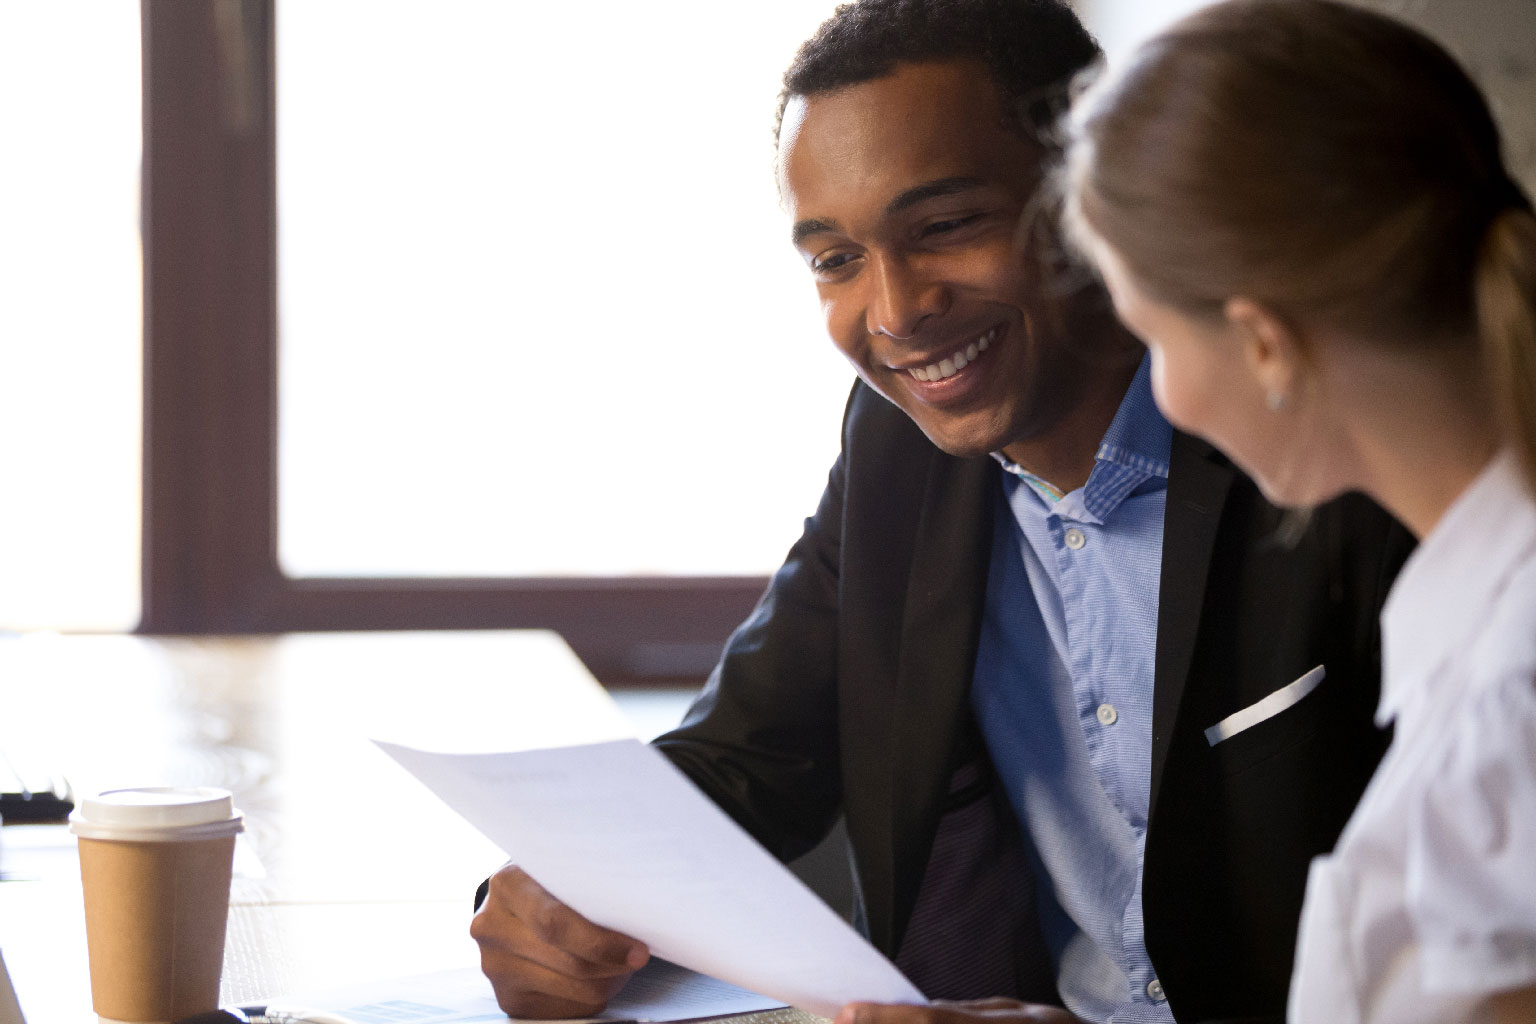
1063	693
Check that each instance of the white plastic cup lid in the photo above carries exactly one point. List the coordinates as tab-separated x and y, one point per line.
157	813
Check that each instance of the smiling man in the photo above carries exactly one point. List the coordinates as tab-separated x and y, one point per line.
1085	714
910	224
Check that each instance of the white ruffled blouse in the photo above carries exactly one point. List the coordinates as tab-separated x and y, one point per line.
1428	903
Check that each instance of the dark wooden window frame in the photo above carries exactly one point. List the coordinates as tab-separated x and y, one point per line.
210	399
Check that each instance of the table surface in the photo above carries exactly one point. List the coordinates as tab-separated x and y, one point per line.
349	869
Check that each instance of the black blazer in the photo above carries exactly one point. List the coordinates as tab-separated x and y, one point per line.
846	691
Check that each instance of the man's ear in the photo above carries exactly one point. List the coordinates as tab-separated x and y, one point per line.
1274	351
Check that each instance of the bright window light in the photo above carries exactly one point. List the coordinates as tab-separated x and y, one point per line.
70	315
539	311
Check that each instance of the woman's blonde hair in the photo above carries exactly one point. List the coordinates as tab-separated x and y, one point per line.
1328	162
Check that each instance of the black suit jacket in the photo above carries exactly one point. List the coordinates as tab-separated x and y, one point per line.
846	692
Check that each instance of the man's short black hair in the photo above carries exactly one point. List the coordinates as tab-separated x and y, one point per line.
1031	48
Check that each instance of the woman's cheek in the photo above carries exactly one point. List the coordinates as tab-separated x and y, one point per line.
1168	389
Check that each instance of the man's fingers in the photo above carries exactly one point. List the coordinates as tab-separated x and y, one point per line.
543	959
974	1011
564	929
527	989
521	914
506	942
997	1005
885	1013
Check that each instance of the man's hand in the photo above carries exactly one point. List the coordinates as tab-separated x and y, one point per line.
971	1011
543	958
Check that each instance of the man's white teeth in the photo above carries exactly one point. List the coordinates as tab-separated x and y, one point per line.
955	363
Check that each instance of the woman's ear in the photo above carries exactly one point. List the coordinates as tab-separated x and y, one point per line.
1273	351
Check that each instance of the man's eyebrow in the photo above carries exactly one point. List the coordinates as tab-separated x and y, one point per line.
931	190
805	228
911	197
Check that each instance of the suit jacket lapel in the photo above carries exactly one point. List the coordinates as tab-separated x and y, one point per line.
940	627
1198	482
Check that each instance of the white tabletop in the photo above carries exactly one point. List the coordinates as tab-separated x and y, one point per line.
349	869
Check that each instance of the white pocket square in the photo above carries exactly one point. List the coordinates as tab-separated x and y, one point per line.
1285	697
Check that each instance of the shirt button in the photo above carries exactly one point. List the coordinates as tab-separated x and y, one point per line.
1155	991
1075	539
1107	714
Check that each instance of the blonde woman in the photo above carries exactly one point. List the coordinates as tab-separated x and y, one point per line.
1302	209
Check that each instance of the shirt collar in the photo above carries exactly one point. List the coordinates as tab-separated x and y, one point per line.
1138	437
1134	448
1449	585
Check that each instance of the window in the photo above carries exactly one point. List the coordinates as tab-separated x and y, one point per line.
538	311
70	316
231	273
218	298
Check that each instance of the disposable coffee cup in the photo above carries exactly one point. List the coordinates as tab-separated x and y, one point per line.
155	866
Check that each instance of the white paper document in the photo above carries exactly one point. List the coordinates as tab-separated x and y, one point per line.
661	991
620	835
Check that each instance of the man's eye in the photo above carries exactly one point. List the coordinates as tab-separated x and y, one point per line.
828	264
940	227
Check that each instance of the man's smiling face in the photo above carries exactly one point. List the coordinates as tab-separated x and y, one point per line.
905	193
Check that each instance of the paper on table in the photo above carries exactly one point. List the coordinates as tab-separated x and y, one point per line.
661	991
619	834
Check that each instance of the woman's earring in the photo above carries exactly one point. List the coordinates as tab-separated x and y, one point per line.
1276	400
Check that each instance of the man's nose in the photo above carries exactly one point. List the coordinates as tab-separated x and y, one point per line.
903	297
